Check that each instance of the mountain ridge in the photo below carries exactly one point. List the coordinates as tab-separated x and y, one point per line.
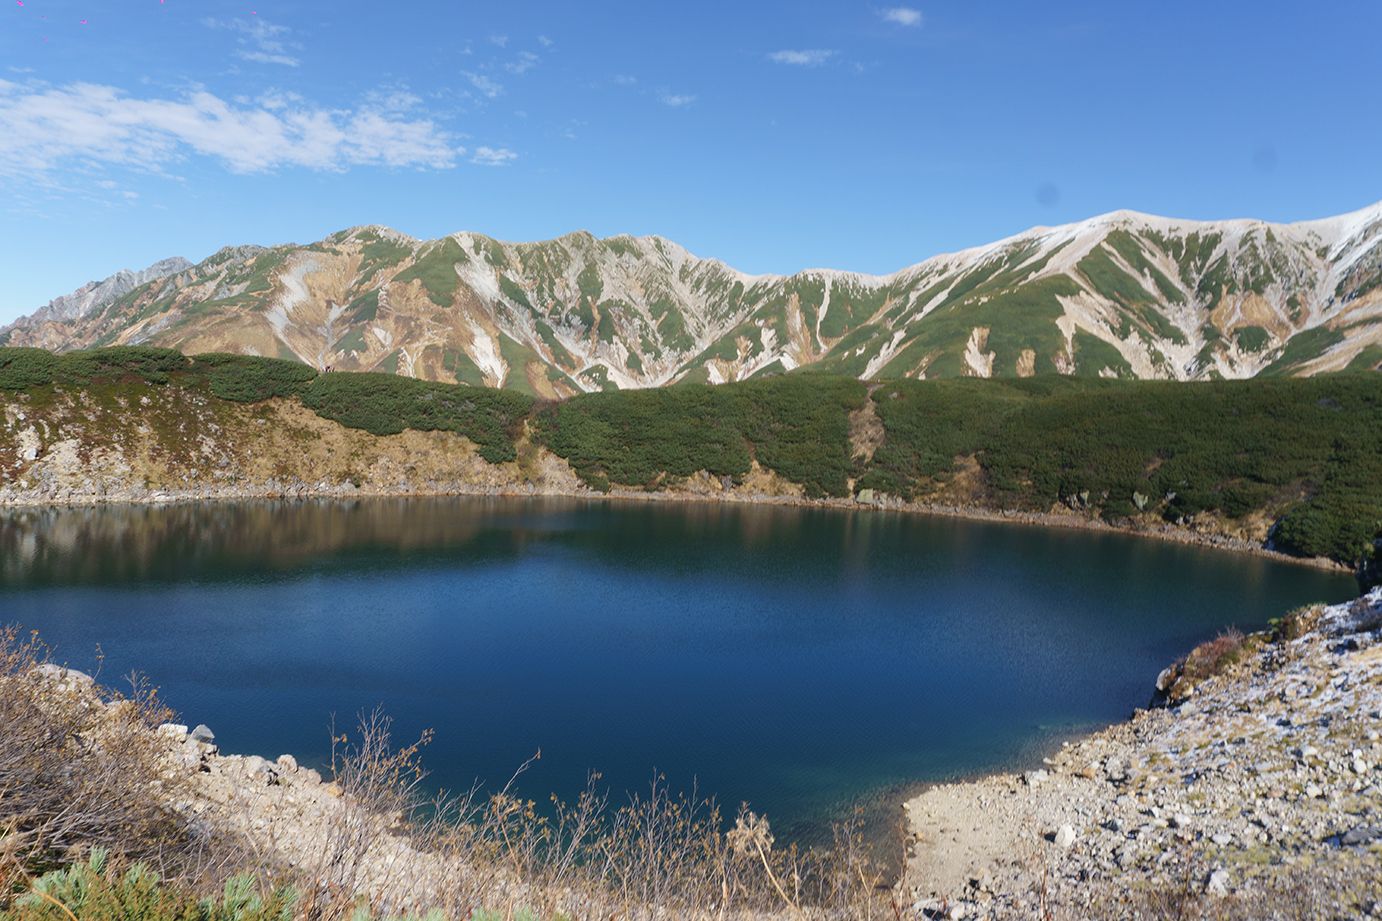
1122	294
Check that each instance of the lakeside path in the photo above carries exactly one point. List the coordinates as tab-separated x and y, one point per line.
1257	793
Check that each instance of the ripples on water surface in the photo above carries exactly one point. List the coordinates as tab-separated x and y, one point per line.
796	658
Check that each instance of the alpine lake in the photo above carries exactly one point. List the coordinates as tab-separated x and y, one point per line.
804	660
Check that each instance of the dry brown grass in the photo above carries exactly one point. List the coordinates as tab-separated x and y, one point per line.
80	767
1212	657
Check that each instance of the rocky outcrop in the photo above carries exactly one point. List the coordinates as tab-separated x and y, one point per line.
97	294
1271	765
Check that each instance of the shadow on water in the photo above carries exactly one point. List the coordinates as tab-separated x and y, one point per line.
801	659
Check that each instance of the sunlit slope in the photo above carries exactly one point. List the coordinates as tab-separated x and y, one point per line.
1121	295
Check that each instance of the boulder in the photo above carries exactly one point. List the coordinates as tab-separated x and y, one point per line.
65	677
1363	834
176	731
203	734
1217	884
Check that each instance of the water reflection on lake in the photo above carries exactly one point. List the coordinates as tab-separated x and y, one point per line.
792	657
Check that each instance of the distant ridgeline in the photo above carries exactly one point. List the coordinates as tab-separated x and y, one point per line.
1303	455
1123	295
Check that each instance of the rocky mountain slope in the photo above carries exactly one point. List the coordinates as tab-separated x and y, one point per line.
1123	294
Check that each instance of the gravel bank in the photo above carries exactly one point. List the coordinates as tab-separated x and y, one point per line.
1271	766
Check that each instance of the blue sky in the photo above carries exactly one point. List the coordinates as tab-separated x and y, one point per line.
773	136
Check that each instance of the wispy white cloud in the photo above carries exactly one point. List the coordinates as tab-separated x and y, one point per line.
484	84
813	57
42	128
260	33
526	61
902	15
675	102
545	41
486	156
500	40
624	80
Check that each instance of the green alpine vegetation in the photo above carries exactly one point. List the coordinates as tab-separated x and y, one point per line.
1296	461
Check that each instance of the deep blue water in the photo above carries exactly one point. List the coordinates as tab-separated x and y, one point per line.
794	658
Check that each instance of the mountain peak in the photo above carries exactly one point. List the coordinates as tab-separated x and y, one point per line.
1120	294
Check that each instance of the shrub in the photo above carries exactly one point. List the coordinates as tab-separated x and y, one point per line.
97	891
797	426
79	766
385	404
22	368
120	363
249	378
1212	657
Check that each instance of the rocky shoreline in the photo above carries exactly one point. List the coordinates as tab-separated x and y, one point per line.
165	445
1268	768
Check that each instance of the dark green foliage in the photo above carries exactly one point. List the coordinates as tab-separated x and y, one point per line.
621	245
1216	282
634	363
672	328
589	283
796	425
249	379
1302	347
1093	355
606	330
436	269
519	358
1017	319
1111	281
389	252
353	341
462	367
1252	338
559	353
385	404
21	368
599	376
514	292
1234	446
1367	359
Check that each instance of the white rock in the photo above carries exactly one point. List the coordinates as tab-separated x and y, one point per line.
1217	884
1180	820
176	730
1065	836
1313	791
1221	839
